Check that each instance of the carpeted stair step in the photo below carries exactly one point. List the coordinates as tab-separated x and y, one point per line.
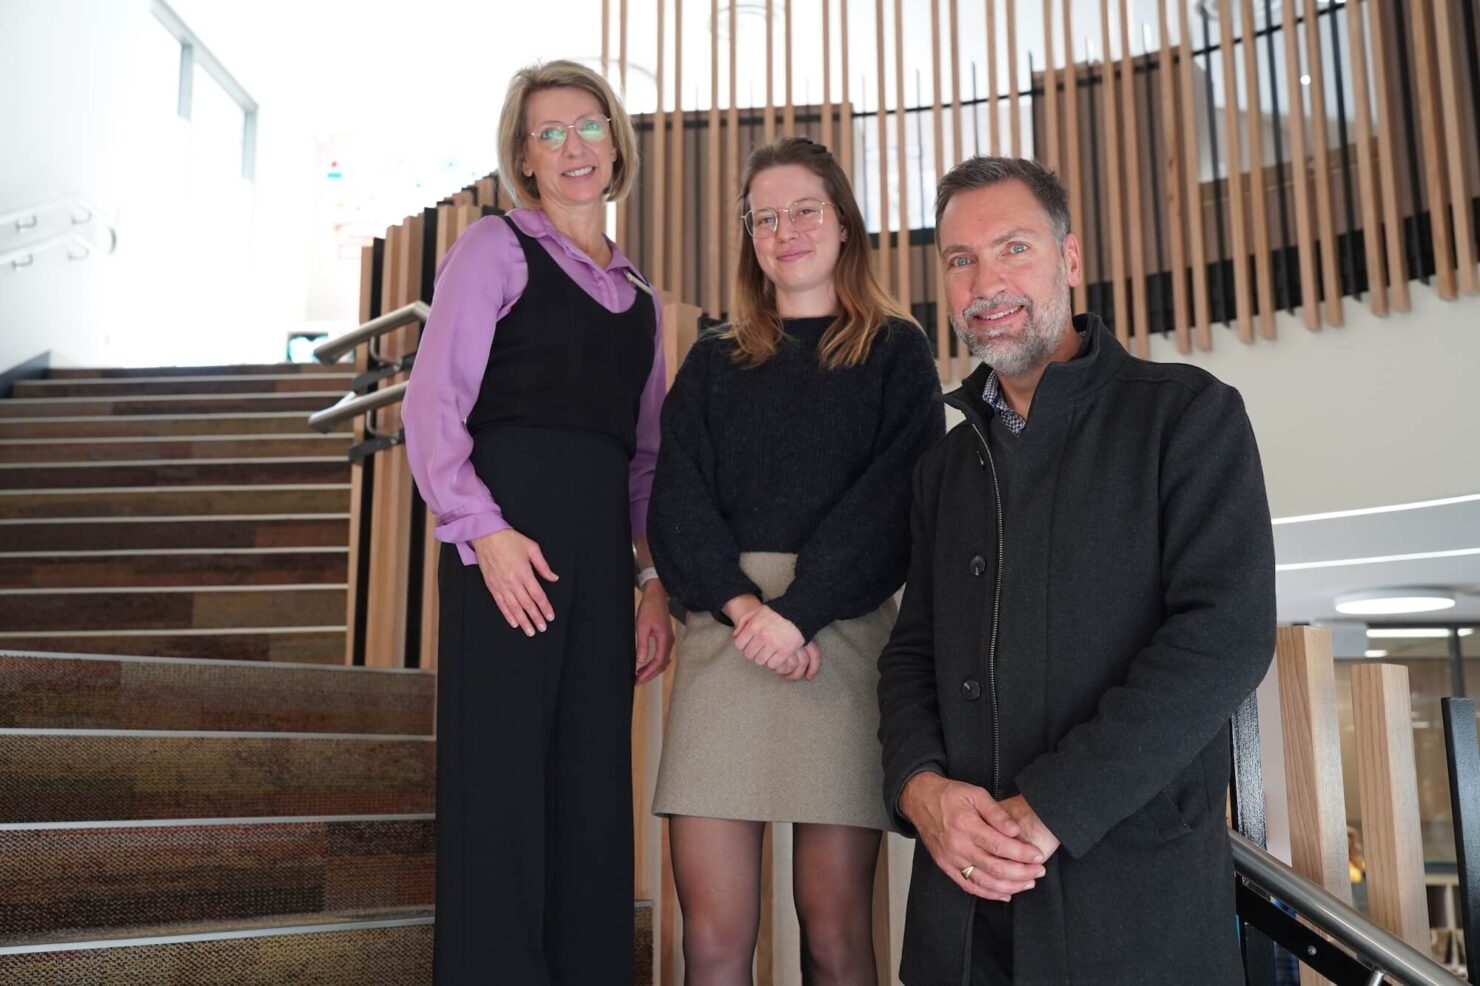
64	881
65	775
172	384
168	501
135	533
172	567
297	645
88	691
183	447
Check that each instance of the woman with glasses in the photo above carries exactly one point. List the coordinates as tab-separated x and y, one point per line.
532	430
780	520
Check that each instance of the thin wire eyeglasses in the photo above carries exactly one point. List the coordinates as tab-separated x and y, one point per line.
592	129
803	214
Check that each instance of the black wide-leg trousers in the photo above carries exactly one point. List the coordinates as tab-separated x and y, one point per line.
534	783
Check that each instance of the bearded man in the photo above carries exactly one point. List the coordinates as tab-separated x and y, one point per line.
1090	597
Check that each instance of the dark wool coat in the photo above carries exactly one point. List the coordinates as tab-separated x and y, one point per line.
1132	593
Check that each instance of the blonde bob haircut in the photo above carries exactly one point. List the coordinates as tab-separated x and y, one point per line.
513	128
755	328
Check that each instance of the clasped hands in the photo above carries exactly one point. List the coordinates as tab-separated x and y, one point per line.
771	640
990	849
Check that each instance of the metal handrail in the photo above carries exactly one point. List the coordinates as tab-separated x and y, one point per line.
1377	946
352	406
331	349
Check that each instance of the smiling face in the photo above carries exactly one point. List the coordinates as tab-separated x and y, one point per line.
579	172
797	262
1007	279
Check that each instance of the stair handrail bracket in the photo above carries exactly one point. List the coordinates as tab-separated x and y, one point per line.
80	211
1385	952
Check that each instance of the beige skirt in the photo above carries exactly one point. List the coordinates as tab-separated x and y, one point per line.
742	742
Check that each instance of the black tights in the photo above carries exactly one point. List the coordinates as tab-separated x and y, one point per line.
717	870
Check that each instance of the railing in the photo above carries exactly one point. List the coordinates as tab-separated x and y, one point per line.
1383	952
81	213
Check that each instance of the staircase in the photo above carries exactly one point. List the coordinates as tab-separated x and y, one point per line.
193	787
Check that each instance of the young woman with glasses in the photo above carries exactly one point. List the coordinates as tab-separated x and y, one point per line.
780	520
532	430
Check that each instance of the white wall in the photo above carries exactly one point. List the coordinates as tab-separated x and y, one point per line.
209	267
1378	411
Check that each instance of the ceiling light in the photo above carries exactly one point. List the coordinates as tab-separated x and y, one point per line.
1376	653
1407	633
1390	602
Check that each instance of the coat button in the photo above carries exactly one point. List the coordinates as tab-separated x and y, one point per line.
972	689
978	565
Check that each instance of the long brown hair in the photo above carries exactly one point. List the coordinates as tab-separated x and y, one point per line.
755	325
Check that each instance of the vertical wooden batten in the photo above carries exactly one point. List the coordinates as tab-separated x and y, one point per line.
1450	90
1258	186
733	230
942	324
1049	153
1325	207
789	112
679	204
994	117
905	253
1377	291
1300	176
657	249
826	131
769	121
886	273
1387	168
1435	189
1072	175
1197	247
1112	182
1139	326
712	277
1014	107
1171	160
1237	209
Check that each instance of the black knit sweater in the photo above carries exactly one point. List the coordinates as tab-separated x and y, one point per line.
790	457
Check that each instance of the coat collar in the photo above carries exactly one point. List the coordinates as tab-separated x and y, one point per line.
1099	361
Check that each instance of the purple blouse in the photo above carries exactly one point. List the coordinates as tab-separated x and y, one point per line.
477	283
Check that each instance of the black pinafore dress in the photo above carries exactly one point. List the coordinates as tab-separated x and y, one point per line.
534	801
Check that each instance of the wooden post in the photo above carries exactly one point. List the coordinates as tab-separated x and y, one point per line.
1307	677
1388	782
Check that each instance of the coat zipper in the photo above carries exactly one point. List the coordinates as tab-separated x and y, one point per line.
996	614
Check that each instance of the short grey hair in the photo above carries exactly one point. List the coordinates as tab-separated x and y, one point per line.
983	172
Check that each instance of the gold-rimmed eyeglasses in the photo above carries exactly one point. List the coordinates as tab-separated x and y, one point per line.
803	214
552	133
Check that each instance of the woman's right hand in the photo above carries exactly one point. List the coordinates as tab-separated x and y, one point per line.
509	561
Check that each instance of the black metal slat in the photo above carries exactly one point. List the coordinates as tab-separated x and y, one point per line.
1416	235
1258	912
1246	794
1349	254
1464	797
1159	288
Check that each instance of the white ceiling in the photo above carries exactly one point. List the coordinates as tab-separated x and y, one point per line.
1308	594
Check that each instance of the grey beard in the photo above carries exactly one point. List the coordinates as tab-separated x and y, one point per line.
1033	349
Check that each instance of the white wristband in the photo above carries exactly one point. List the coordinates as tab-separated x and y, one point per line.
646	575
